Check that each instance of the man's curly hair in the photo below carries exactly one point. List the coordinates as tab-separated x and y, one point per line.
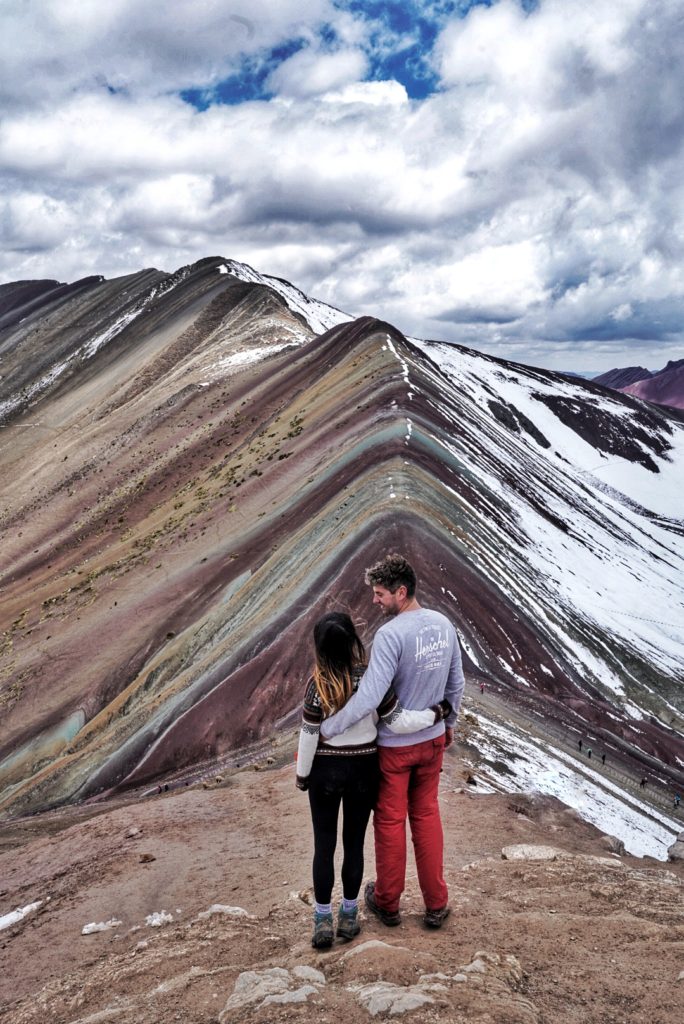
391	572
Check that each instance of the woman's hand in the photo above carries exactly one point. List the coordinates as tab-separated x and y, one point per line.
441	710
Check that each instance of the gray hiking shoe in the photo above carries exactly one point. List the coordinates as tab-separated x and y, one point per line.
436	918
323	933
348	923
391	918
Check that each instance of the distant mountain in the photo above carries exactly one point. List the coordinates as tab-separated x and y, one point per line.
194	465
621	378
665	388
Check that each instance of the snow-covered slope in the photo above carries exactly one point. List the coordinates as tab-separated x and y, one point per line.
596	531
318	315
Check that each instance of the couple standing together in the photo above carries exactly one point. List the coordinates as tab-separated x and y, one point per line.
372	738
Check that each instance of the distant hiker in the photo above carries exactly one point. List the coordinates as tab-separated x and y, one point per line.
417	650
482	686
677	800
643	783
580	746
589	752
344	770
603	758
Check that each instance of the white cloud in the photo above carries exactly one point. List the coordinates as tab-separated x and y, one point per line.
543	59
309	73
35	222
534	202
374	94
142	48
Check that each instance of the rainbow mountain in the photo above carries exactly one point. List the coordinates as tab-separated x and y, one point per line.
193	466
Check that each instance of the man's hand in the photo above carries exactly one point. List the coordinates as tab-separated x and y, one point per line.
301	783
448	736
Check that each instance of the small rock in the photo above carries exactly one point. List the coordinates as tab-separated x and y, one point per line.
676	851
307	973
681	976
591	858
305	895
613	844
132	832
147	858
384	997
528	851
221	908
476	967
297	995
272	985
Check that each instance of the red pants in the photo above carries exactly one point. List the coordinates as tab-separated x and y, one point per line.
409	779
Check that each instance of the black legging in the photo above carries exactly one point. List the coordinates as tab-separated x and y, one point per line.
350	780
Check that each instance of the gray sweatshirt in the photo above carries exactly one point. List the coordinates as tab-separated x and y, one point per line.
418	653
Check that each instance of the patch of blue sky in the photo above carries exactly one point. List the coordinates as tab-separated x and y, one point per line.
402	36
249	82
400	41
399	44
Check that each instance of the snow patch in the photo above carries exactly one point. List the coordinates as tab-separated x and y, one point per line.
102	926
18	915
158	919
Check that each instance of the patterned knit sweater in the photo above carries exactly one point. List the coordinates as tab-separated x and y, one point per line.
359	738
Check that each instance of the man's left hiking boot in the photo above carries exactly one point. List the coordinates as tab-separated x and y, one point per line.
323	933
436	918
348	923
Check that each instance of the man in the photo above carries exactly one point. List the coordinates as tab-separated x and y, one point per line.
417	650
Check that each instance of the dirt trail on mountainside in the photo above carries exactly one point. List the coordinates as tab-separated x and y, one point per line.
616	770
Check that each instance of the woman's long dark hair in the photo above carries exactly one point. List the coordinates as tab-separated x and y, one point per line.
338	652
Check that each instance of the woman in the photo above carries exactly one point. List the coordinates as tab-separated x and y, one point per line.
343	770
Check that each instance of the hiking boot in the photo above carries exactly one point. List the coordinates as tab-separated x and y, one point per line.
323	932
348	923
436	918
391	918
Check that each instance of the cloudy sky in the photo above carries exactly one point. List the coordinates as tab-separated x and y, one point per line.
509	175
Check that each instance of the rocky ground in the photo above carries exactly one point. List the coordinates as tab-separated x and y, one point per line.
209	887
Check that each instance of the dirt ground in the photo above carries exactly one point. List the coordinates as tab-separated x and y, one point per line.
584	937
